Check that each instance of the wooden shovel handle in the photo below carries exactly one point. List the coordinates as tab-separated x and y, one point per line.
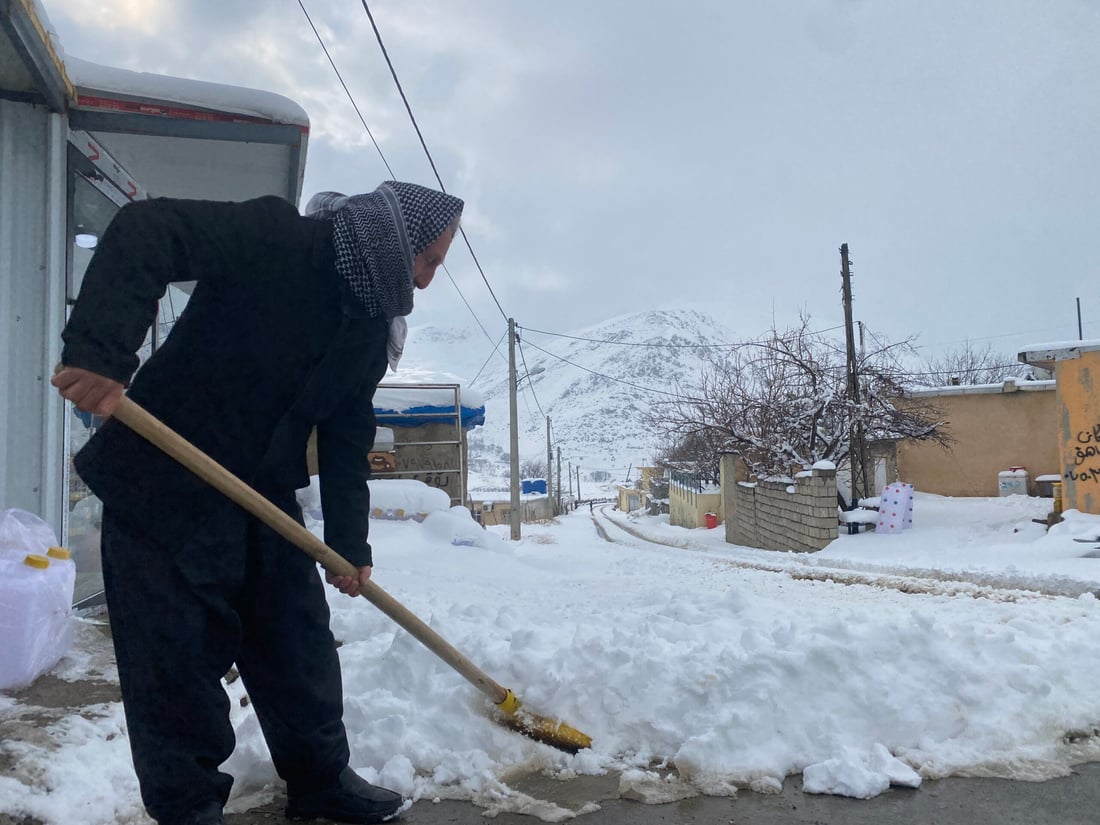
144	424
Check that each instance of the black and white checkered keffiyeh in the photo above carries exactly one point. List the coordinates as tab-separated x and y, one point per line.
377	236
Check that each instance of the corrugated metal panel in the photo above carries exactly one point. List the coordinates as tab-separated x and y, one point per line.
23	208
31	308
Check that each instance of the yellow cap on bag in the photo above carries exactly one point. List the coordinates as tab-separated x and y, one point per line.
36	561
59	553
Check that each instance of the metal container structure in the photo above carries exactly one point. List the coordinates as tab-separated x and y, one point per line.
77	142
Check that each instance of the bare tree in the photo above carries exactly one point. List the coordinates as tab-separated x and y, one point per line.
533	468
696	452
783	403
970	364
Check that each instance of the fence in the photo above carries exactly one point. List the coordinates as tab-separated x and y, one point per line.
783	514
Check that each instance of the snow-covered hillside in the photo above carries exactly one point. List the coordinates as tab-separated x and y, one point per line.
595	384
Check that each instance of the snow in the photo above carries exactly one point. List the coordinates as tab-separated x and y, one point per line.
215	96
964	646
1084	344
404	398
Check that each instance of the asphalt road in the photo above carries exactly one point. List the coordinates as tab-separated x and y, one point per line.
1071	800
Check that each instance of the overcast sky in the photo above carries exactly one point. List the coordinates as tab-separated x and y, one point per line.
617	156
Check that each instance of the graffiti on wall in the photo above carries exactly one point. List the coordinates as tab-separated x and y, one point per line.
429	457
1086	456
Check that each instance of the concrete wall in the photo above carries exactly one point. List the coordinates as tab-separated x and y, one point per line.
532	509
768	515
629	499
1078	430
732	470
994	427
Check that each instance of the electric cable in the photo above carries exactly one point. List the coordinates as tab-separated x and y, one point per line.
385	162
487	360
427	152
670	346
991	337
339	77
607	377
527	373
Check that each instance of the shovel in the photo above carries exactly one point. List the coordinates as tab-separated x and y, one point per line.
550	731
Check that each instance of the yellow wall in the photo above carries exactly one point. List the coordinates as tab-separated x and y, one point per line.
994	429
1079	431
630	499
687	508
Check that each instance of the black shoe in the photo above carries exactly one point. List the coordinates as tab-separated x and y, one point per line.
208	814
353	799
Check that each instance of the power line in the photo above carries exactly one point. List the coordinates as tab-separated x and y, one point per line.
608	377
530	383
427	152
405	100
332	63
670	346
385	162
990	337
493	352
467	303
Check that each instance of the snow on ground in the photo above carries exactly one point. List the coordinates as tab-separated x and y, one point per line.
696	668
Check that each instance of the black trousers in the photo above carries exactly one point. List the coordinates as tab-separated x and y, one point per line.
181	615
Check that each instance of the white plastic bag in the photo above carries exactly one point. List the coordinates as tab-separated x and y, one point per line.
22	532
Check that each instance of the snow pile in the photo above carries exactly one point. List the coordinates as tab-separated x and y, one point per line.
695	665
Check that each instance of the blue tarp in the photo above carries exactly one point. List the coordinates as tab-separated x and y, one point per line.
419	416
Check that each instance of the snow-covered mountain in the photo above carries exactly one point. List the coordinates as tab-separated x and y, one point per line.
595	384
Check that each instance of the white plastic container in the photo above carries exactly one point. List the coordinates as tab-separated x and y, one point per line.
64	568
35	617
1012	482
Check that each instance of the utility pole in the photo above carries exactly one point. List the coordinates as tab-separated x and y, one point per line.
578	482
513	421
1080	332
549	467
558	485
857	451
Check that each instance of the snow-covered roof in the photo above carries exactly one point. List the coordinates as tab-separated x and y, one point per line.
1045	355
1011	385
90	78
414	406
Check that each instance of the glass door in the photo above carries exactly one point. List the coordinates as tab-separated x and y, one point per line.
98	188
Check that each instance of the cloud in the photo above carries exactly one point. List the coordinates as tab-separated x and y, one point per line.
147	18
721	152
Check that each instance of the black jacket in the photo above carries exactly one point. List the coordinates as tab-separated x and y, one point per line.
262	353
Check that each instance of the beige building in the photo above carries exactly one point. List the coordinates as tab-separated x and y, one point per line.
635	497
1075	419
994	427
689	502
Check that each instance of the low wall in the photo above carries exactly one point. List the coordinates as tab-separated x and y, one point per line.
798	514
